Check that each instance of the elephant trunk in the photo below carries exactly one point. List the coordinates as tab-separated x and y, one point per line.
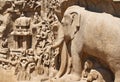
60	37
58	42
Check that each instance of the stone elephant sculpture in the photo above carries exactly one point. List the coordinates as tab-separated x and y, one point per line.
97	34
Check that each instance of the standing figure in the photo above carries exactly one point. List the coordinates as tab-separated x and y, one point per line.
25	3
2	27
46	63
32	3
23	74
38	4
37	18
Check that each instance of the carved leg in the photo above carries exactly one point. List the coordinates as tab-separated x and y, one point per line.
117	76
76	60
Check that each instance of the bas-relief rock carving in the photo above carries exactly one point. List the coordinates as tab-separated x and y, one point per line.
99	39
36	46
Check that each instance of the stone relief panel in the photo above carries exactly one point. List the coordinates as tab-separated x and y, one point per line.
38	43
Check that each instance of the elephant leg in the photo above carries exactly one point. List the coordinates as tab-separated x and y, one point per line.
117	76
76	60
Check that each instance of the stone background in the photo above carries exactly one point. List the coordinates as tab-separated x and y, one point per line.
108	6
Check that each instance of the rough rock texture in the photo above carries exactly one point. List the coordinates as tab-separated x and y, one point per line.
108	6
32	52
8	74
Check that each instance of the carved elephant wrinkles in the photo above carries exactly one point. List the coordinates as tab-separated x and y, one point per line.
97	34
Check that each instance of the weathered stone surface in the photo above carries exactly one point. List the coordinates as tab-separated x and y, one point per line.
59	41
108	6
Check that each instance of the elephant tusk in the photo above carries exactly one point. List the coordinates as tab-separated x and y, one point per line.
64	60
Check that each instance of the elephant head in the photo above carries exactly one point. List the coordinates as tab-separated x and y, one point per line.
71	21
67	31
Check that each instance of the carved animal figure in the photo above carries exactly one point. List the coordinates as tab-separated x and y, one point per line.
97	34
99	75
95	76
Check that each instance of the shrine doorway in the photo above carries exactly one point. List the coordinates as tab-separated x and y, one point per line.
23	42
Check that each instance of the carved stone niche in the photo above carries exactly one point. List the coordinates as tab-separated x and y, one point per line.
22	34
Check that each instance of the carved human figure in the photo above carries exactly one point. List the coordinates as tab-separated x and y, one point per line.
2	28
39	57
14	59
43	33
25	2
5	51
30	55
37	18
5	43
46	63
55	58
23	74
32	3
38	4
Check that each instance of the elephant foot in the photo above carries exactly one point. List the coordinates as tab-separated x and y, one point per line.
117	80
117	76
72	77
75	77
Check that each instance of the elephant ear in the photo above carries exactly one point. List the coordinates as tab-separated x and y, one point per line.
75	23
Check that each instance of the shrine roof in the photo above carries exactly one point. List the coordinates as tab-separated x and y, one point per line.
22	21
